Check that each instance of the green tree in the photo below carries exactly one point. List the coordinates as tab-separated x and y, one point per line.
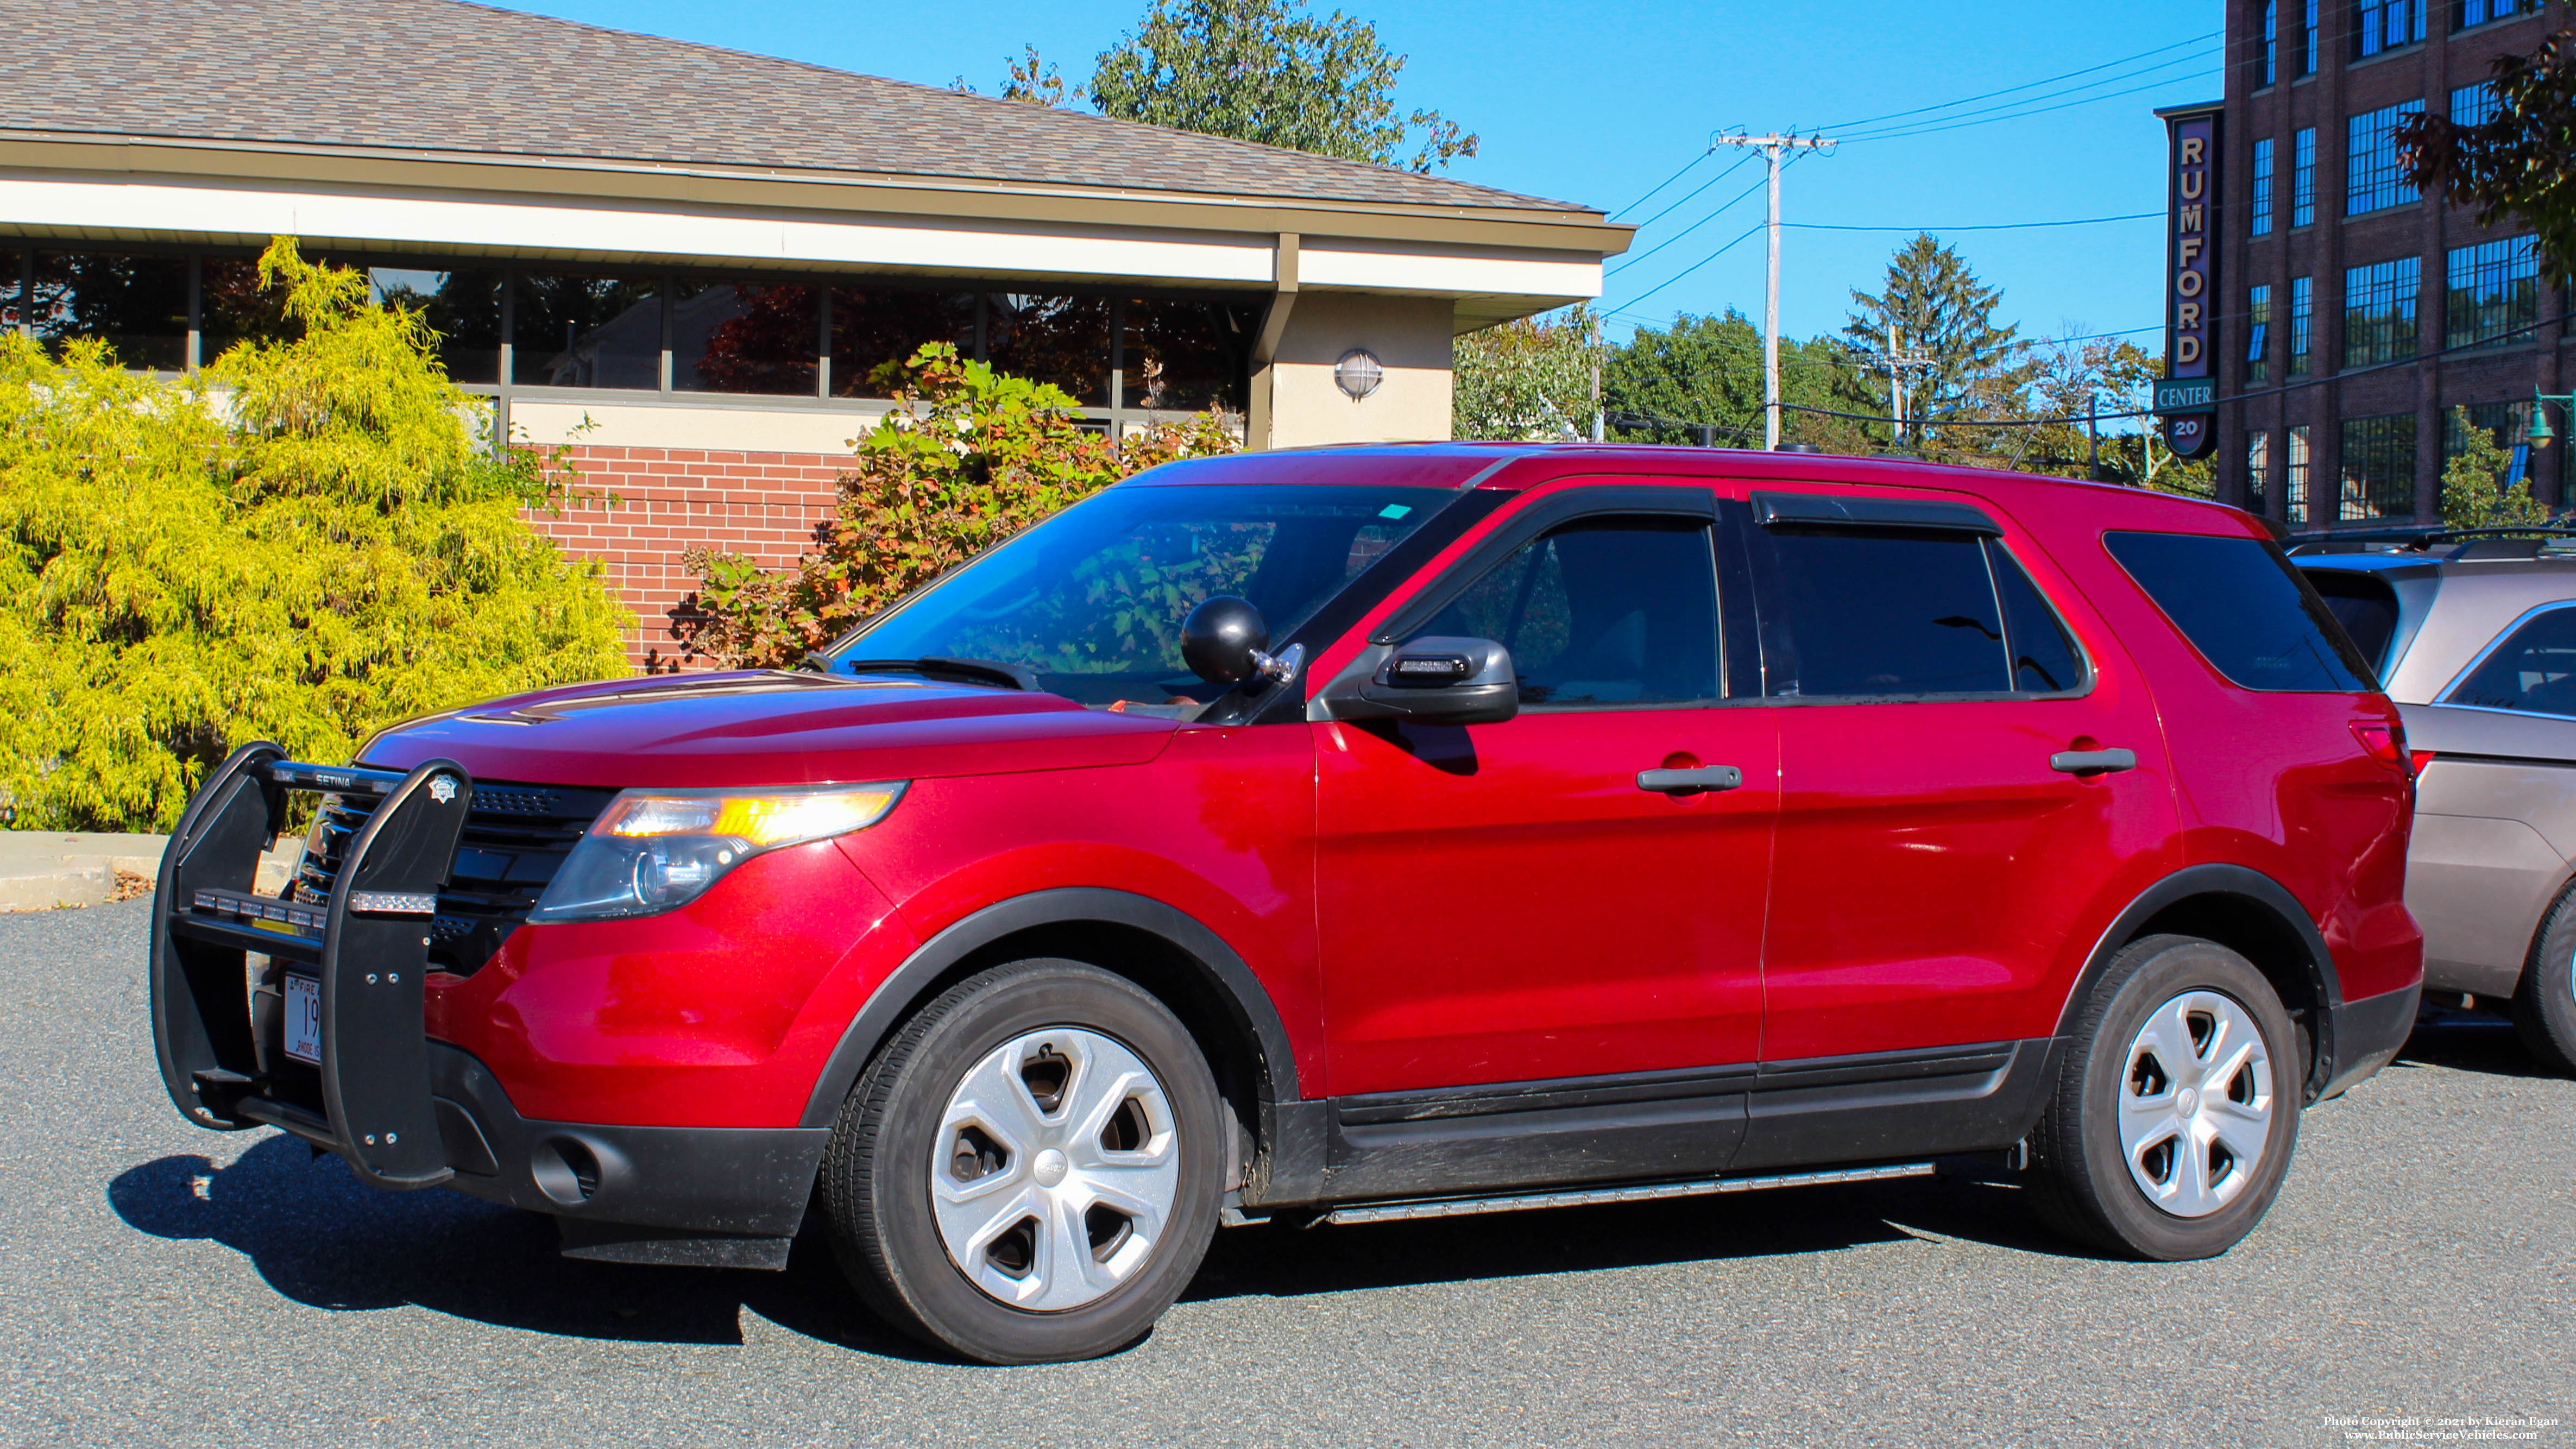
308	541
965	460
2516	164
1528	380
1260	70
2475	493
1936	320
1708	370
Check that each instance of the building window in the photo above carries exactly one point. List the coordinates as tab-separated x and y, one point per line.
2296	481
2303	299
2308	40
13	290
2267	46
1062	340
586	331
2258	471
137	305
2374	177
2379	311
2505	423
2493	293
875	331
2258	328
2384	25
2466	13
2262	201
1185	356
2303	176
745	337
2473	105
2378	468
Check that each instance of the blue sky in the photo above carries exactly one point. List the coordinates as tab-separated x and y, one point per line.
1596	104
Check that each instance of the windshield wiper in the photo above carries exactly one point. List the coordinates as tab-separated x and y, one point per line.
971	671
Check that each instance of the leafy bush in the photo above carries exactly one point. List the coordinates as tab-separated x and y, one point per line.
966	459
304	542
2474	491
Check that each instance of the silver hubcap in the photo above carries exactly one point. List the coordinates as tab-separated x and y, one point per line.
1056	1171
2196	1104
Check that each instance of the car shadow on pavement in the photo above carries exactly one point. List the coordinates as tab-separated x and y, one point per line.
1281	1259
320	1238
2471	1041
323	1239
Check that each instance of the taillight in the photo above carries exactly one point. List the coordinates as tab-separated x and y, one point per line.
2386	744
2420	758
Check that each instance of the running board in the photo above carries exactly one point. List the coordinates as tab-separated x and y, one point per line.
1390	1212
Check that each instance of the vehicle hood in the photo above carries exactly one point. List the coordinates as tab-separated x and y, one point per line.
767	728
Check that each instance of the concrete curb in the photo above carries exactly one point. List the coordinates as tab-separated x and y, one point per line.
44	870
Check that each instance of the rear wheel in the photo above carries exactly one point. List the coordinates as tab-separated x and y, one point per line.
2176	1105
2544	1006
1030	1170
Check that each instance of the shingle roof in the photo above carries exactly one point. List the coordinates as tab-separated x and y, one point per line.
442	75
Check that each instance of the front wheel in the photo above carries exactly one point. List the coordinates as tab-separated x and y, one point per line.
1030	1170
2176	1105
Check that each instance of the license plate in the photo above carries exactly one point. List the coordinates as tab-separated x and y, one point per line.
304	1019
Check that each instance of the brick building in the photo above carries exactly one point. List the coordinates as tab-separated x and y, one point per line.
2357	314
705	254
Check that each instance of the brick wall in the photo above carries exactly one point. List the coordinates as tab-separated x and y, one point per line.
765	505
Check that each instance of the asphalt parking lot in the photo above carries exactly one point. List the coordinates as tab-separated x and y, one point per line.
166	1286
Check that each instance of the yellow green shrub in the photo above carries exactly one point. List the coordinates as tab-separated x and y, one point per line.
304	542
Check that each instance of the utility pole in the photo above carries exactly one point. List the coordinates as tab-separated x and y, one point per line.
1772	145
2093	435
1896	382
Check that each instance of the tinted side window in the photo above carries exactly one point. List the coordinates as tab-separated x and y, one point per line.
2365	606
1604	611
2044	660
1862	613
2246	610
2534	669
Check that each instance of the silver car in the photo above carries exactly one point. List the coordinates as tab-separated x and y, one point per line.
2476	642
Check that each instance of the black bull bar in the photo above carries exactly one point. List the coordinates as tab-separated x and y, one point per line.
218	1035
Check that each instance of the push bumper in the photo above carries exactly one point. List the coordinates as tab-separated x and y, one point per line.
404	1110
219	1036
2367	1034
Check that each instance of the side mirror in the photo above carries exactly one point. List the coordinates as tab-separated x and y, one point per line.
1435	680
1223	639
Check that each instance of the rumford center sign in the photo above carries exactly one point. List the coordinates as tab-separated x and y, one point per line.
2187	395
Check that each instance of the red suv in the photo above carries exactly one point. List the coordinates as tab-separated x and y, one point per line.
1361	834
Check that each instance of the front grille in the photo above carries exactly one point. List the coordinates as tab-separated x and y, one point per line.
515	839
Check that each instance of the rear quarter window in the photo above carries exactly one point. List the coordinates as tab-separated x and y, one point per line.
2247	611
2365	606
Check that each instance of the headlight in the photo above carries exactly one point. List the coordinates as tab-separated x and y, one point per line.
656	850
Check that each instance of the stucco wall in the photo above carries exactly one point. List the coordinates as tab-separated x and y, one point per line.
1410	336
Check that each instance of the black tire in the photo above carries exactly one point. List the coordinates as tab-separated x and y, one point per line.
2080	1180
878	1169
2544	1005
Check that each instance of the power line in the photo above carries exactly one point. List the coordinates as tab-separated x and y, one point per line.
1629	261
1935	129
1660	185
2024	86
1991	226
1695	266
1685	201
2020	101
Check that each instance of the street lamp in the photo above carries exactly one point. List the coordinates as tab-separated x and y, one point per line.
2539	435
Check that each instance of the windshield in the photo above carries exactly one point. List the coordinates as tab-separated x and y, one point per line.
1092	600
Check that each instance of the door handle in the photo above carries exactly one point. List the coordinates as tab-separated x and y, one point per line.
1686	782
2093	762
